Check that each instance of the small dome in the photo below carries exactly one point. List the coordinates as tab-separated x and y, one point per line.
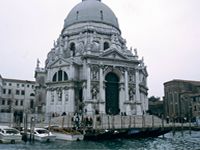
91	11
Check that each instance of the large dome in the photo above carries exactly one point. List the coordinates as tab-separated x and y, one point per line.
91	11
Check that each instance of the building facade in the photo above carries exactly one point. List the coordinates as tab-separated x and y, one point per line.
156	106
181	99
17	97
90	69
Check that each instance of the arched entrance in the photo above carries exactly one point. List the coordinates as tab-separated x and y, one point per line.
112	94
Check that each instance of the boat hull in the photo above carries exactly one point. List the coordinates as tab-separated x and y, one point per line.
68	137
47	138
125	134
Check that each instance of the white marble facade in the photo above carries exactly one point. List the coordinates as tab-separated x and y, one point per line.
89	50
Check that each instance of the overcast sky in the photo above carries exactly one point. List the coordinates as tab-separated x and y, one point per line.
165	32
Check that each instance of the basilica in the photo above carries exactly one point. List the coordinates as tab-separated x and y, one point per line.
90	69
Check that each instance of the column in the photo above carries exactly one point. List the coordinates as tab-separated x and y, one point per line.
84	86
137	92
63	100
138	101
88	83
101	91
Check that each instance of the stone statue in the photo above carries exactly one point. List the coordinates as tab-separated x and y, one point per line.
54	44
52	96
95	46
94	93
59	92
115	41
66	96
38	63
131	94
94	75
135	50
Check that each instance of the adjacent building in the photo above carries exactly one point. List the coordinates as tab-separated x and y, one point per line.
156	106
90	69
182	99
17	97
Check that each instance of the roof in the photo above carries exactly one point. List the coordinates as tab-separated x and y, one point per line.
186	81
18	80
91	11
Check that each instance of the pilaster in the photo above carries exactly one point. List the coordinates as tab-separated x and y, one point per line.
101	91
126	86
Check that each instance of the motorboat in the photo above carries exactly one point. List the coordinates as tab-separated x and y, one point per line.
67	134
9	135
41	134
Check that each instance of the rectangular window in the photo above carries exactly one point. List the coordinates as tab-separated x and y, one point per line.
32	86
4	91
17	92
17	84
28	85
10	84
9	91
22	103
22	85
22	92
8	102
16	102
3	102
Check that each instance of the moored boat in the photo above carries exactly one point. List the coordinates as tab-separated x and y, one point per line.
41	134
67	134
9	135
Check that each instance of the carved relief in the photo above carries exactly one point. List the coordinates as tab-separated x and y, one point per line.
121	69
80	47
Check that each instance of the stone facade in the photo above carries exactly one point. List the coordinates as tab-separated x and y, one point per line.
181	99
90	70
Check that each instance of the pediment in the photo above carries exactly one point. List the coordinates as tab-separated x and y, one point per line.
113	53
59	62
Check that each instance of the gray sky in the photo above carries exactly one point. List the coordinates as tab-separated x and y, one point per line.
165	32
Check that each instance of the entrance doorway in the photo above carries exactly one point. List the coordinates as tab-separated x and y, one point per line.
112	94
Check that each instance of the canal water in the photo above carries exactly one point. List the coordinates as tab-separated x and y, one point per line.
168	142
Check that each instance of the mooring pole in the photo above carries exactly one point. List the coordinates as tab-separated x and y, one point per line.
25	127
182	126
163	124
63	120
108	122
173	126
134	122
152	121
190	125
130	120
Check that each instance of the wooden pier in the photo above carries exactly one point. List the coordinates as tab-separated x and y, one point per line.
108	126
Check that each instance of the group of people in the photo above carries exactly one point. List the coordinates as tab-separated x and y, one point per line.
80	121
